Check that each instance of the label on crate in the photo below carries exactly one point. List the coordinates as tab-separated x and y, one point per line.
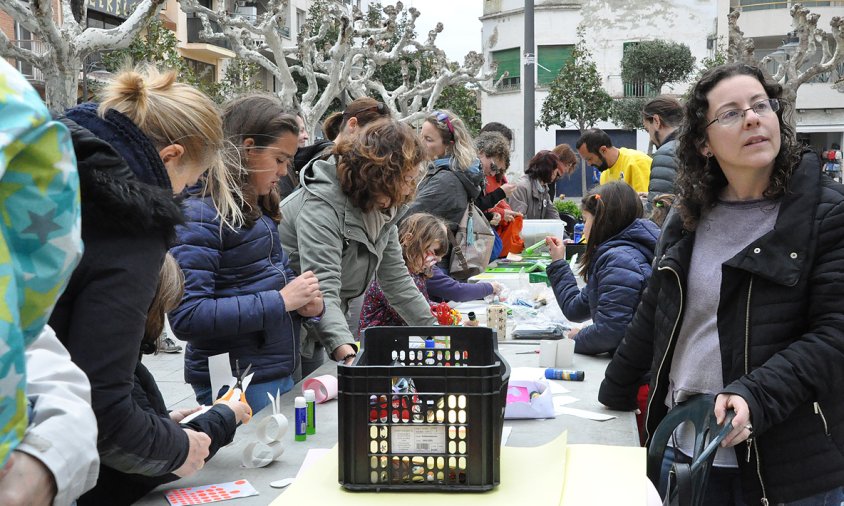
417	439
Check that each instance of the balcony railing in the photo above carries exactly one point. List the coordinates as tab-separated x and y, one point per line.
195	34
29	71
638	89
510	83
758	5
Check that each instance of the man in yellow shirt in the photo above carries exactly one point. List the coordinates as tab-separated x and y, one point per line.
634	167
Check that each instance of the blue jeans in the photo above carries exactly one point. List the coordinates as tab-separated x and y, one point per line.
834	497
256	394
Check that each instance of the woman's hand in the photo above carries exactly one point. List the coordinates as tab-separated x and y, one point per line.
742	428
26	481
557	248
496	287
573	332
508	188
495	220
342	351
242	411
300	291
510	215
198	450
312	308
177	415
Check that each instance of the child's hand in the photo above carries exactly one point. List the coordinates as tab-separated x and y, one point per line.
573	332
496	287
431	261
557	248
300	291
509	214
312	308
495	220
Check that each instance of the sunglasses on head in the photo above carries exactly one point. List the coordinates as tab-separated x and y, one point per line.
443	118
380	108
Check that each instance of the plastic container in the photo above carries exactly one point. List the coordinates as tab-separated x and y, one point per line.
534	231
578	233
442	434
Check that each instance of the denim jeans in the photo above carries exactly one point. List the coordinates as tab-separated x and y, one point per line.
722	489
256	394
834	497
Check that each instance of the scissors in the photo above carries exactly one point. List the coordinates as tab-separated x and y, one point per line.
236	391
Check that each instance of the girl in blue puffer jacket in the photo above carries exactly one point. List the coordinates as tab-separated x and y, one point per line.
616	266
241	296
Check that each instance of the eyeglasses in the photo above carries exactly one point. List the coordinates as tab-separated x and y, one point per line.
443	118
730	117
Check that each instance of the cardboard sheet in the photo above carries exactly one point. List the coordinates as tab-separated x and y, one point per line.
520	477
598	475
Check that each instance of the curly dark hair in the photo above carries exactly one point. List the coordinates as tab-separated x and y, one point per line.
382	160
542	166
700	178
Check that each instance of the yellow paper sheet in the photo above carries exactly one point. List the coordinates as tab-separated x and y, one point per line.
592	475
533	475
599	475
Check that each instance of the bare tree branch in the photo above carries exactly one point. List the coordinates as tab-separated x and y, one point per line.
95	39
9	49
20	12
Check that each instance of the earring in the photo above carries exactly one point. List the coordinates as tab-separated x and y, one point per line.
709	154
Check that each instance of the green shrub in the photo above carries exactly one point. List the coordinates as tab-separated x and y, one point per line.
568	207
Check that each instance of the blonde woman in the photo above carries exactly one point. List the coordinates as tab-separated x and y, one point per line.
148	139
454	176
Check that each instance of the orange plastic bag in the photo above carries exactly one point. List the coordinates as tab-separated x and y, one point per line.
510	233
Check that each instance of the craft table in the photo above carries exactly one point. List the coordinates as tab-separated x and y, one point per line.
226	465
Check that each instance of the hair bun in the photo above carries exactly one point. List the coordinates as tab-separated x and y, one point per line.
131	86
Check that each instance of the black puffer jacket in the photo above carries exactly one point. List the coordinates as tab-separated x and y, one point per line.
128	221
781	329
663	168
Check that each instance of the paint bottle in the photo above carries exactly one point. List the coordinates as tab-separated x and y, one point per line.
473	319
496	318
564	374
310	400
301	418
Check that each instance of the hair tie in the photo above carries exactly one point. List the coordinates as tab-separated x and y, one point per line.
598	196
659	203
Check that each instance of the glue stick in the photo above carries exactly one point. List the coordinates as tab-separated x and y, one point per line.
310	399
564	374
301	418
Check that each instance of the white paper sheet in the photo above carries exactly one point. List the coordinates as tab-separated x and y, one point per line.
220	370
582	413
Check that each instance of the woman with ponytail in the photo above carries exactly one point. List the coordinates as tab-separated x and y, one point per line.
616	266
149	138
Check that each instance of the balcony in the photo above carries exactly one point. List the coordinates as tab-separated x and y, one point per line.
195	34
638	89
29	71
510	84
202	48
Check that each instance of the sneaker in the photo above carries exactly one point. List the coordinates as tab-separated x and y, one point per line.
169	346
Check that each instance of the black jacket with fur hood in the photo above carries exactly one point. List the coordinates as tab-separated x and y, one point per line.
127	226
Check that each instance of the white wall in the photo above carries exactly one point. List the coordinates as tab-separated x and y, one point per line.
608	25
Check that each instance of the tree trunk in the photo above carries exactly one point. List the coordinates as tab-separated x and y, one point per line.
62	85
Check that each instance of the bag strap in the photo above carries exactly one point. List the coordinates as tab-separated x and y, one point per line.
461	258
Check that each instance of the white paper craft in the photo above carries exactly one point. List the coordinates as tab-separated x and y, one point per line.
220	371
523	403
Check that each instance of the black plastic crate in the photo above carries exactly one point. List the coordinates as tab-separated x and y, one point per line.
446	435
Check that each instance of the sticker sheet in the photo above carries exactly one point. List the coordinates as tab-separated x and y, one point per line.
210	493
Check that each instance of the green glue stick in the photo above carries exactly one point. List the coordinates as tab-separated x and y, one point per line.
301	418
310	401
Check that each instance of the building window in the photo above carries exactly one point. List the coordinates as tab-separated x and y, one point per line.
101	20
550	60
637	88
508	60
301	18
758	5
205	72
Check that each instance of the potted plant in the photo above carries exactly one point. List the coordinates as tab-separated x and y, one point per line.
570	213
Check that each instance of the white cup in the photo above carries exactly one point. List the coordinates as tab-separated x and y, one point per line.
547	353
564	358
272	428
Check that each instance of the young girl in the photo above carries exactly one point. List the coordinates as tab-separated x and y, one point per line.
241	295
218	423
616	266
424	241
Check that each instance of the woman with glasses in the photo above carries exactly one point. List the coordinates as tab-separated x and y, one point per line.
745	300
454	177
342	226
531	196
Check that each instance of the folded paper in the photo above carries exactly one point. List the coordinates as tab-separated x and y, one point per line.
324	387
529	399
